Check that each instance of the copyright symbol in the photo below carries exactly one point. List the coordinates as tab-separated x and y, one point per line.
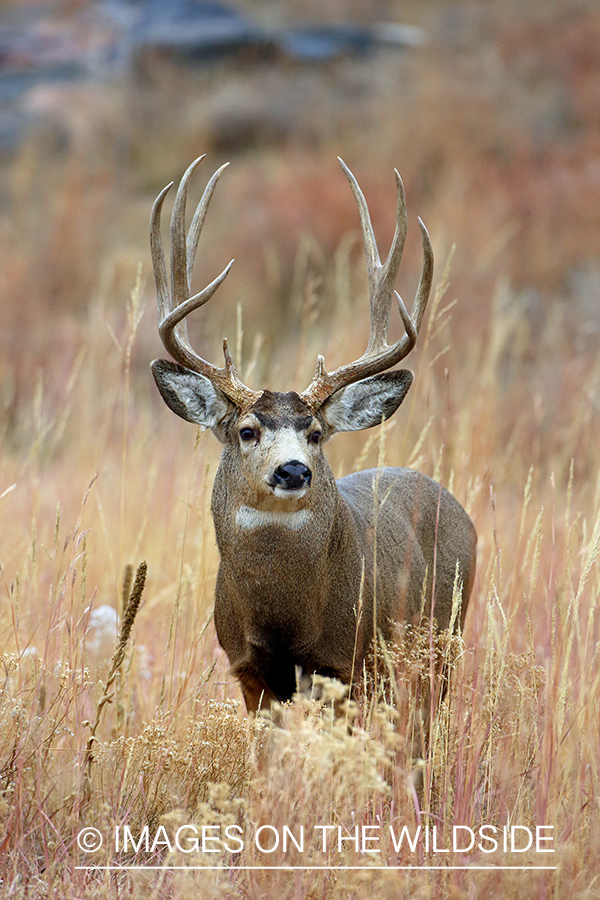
89	840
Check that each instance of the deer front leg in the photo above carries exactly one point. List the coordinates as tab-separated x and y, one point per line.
257	695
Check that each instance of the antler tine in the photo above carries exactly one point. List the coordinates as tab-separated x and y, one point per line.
198	220
411	323
381	277
180	276
168	327
371	250
163	297
426	279
175	305
379	356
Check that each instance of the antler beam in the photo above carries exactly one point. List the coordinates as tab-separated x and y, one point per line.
175	304
378	356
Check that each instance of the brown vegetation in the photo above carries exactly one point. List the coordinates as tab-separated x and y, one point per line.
495	128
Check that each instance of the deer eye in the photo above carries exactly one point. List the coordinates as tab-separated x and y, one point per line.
248	434
314	437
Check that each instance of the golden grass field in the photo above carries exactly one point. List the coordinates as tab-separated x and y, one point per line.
497	137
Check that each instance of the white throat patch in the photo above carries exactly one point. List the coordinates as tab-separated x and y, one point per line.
249	517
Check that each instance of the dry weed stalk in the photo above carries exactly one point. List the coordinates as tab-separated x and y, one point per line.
129	614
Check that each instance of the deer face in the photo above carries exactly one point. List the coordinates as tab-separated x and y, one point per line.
276	446
279	445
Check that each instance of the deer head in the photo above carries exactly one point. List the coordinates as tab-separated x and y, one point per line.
274	441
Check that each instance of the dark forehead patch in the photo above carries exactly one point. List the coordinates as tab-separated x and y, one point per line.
275	410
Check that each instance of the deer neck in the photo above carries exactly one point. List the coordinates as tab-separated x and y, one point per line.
281	571
292	534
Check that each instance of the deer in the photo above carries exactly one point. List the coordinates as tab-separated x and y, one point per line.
311	569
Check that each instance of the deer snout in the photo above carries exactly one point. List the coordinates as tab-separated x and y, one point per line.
292	476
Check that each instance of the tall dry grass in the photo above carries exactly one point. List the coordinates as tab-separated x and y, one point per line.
515	740
97	475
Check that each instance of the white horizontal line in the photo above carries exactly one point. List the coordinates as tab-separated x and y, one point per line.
315	868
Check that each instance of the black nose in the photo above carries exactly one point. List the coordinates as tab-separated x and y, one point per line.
292	475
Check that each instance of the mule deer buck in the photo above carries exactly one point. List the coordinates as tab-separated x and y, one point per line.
311	568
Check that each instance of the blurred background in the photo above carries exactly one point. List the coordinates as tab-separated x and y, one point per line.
490	111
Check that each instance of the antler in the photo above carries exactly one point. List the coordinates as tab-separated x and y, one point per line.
378	356
175	305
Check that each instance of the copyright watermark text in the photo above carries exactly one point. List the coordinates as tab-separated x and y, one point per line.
364	840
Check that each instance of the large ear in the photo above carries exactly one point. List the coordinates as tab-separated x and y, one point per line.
190	395
366	403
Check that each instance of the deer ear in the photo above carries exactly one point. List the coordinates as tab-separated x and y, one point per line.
366	403
190	395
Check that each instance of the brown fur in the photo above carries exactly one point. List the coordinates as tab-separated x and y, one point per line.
288	598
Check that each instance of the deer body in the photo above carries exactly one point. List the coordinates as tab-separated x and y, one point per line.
311	569
289	597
